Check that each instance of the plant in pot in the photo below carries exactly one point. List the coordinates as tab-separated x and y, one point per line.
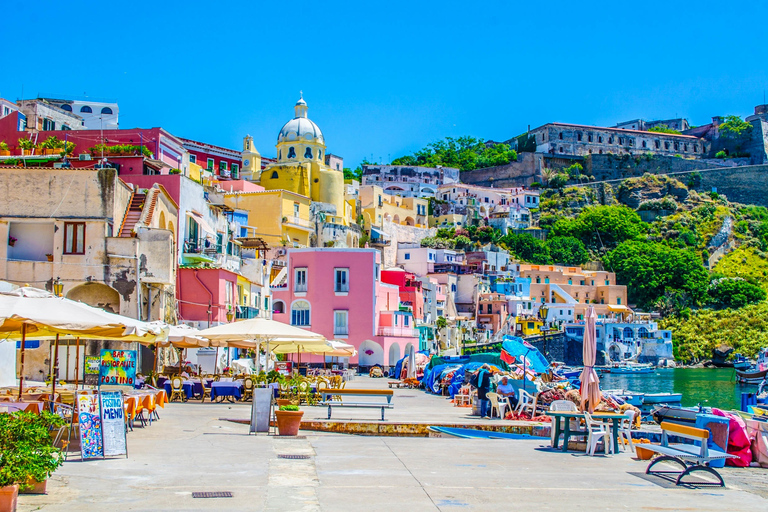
27	455
12	240
288	420
51	145
49	256
4	149
26	146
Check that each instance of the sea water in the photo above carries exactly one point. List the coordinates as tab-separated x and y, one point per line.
710	387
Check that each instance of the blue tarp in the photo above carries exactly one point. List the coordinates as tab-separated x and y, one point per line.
458	377
433	376
518	348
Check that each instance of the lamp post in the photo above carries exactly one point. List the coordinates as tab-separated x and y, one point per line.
543	312
58	287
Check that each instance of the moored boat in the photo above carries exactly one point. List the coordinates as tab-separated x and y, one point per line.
751	376
685	415
631	368
630	397
471	433
662	398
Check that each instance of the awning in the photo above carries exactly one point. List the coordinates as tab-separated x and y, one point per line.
617	308
198	217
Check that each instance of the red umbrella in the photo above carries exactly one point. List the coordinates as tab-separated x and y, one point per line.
590	383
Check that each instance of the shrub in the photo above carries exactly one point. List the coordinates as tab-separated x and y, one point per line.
734	293
289	407
721	154
26	450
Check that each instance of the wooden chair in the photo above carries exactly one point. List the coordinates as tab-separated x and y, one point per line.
177	389
247	388
206	389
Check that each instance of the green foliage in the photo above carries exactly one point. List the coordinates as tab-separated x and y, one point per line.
357	174
734	292
464	153
293	408
526	248
650	269
747	263
441	323
598	226
663	128
559	180
25	447
25	143
462	242
567	250
721	154
3	146
52	142
666	203
574	171
734	128
526	143
745	329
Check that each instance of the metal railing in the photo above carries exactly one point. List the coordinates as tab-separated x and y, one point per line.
298	221
398	331
246	312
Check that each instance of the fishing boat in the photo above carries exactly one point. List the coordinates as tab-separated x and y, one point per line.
471	433
751	376
631	368
662	398
630	397
685	415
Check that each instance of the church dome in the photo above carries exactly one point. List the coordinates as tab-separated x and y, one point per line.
300	128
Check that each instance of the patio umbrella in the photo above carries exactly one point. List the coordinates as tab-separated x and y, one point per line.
411	365
590	383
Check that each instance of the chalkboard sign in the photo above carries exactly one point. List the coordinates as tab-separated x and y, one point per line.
89	418
91	370
118	368
113	423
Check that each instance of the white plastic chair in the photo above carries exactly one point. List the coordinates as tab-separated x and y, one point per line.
597	430
564	406
498	403
524	402
625	429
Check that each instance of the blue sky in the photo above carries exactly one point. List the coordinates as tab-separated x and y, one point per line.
383	79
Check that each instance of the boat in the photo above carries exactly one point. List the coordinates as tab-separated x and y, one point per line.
684	415
739	362
662	398
471	433
630	397
631	368
751	376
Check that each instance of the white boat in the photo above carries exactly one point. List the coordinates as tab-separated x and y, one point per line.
630	368
662	398
631	397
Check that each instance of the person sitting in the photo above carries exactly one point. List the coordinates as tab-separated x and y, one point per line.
505	389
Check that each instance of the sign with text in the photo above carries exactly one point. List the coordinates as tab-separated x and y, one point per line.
91	370
118	368
89	417
284	367
113	423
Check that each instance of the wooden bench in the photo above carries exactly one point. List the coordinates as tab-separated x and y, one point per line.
689	457
328	394
395	383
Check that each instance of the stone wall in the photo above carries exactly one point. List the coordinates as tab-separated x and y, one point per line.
400	233
521	173
613	167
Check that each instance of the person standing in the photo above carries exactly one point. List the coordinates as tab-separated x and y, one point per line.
483	387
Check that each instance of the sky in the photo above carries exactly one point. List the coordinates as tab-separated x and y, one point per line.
383	79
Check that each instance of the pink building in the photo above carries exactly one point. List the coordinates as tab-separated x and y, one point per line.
222	162
338	293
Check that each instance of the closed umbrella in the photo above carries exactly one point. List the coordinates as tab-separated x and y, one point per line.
590	383
411	365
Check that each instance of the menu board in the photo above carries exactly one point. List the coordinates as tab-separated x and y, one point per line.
91	370
118	368
89	418
113	423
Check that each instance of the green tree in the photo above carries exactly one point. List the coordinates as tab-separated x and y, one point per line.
567	250
734	127
651	269
465	153
662	128
357	174
527	248
559	180
598	226
734	293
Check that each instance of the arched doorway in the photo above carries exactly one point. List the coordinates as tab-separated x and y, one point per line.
394	354
409	221
614	353
98	295
370	353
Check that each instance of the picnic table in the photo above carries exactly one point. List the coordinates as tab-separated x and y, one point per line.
566	416
226	390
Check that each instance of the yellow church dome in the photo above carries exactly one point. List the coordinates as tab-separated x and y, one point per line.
300	128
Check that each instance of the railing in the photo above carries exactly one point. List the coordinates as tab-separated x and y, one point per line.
398	331
200	245
298	221
341	330
246	312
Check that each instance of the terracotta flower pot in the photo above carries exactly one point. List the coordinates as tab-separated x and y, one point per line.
283	401
288	422
4	152
33	487
8	497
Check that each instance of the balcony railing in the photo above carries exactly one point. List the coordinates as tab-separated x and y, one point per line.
340	330
398	331
298	221
246	312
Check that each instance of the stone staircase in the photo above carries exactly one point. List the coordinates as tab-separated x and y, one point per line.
133	215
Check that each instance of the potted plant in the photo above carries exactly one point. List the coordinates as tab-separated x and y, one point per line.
26	146
68	148
288	420
4	149
51	145
27	455
49	256
12	240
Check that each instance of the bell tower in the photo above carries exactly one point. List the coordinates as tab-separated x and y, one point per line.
251	164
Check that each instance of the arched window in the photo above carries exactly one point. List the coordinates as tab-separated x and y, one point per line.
642	332
106	110
278	306
66	107
308	153
291	152
628	334
300	313
280	155
319	154
86	109
274	175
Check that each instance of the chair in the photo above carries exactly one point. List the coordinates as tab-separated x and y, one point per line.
497	403
562	406
625	430
247	388
597	430
524	402
177	389
206	389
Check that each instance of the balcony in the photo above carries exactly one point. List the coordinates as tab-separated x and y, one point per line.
246	312
340	330
299	223
199	249
407	332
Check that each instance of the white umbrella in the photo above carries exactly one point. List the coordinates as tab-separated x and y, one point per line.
590	383
411	365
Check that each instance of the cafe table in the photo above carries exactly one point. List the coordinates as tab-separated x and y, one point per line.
10	407
566	416
190	390
226	390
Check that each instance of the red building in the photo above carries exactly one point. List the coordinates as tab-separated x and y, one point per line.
222	162
206	294
411	294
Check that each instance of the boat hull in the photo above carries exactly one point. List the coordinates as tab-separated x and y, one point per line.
662	398
470	433
751	377
682	415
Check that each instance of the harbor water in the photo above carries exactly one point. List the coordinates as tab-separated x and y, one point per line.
709	386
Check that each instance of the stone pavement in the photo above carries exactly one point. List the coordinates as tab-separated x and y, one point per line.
191	449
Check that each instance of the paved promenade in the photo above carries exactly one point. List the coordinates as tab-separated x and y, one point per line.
192	449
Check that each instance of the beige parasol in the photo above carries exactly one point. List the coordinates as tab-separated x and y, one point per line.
590	383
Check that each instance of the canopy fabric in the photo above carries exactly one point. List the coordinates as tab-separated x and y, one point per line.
259	330
198	217
590	383
519	349
310	347
46	315
184	336
619	308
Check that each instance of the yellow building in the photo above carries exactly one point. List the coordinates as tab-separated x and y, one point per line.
528	325
280	217
376	206
448	220
300	166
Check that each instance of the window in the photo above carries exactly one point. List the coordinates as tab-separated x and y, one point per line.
278	306
606	282
68	108
695	148
618	301
222	165
340	323
193	159
235	170
295	209
300	280
666	145
578	136
677	146
610	140
86	109
600	139
291	152
74	238
48	124
300	313
621	140
341	283
645	145
408	256
210	164
308	153
561	135
65	127
274	175
589	138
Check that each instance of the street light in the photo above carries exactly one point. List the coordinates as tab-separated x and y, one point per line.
58	287
230	315
543	311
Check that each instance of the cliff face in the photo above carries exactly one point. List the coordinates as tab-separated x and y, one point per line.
634	192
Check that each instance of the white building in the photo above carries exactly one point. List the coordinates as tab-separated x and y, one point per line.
473	195
96	115
409	181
